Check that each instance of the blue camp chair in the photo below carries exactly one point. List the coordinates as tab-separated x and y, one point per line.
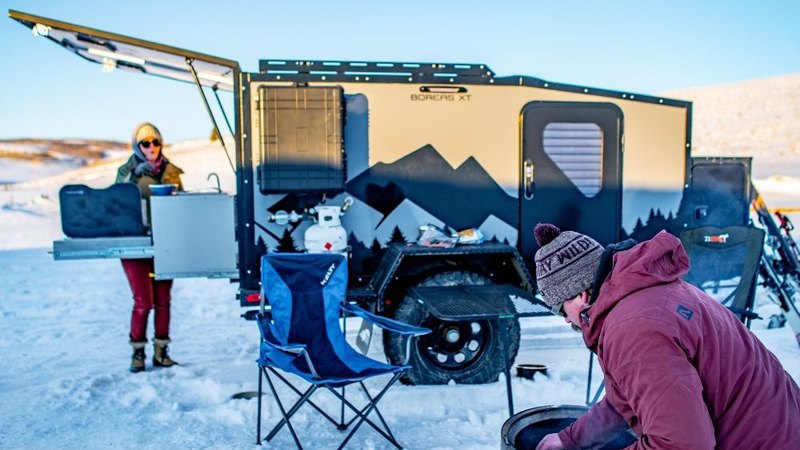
301	335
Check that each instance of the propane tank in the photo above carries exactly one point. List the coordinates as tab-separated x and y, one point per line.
327	235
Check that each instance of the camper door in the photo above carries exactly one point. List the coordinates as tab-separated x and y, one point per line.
571	169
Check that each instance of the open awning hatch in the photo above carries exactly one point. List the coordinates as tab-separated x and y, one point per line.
114	51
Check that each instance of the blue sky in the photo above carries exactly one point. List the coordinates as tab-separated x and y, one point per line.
637	46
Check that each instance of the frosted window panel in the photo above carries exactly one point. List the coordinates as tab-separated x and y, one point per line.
577	149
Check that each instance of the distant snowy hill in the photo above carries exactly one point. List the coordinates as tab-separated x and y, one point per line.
757	117
29	214
85	150
26	159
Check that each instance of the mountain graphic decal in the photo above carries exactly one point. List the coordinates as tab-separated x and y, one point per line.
461	197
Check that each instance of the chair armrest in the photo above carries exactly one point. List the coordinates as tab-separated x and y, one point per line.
292	349
384	322
281	355
267	338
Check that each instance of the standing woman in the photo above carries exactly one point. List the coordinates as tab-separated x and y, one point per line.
146	166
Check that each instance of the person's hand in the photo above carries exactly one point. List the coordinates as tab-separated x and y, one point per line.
550	442
145	168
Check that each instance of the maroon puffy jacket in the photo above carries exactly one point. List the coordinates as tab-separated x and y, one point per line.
680	369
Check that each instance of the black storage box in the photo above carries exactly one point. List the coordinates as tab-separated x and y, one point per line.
111	212
300	140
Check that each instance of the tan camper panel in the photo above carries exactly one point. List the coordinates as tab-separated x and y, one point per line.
483	122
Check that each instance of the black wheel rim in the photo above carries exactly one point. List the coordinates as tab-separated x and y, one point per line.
454	345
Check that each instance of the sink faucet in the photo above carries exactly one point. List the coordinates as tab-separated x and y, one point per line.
213	174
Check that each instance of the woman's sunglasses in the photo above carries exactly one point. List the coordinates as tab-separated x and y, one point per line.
146	144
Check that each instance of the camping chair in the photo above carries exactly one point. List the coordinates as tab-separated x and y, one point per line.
301	335
726	258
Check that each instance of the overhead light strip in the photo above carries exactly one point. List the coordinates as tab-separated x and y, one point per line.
217	78
117	56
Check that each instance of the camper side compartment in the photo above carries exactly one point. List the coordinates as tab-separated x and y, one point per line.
299	141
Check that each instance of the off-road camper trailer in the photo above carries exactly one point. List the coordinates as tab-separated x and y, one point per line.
371	151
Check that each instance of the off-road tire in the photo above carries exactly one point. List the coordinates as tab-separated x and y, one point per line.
480	365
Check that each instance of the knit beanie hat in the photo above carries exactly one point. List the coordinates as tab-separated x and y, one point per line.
566	263
142	132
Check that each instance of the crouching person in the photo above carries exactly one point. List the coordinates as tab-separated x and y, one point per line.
680	369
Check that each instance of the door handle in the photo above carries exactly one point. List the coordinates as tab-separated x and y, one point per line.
527	174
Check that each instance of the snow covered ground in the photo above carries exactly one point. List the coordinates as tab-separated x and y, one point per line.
64	380
63	346
65	383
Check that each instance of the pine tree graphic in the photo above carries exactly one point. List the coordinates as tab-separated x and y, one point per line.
286	243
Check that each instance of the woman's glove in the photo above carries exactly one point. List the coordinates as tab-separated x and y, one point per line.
145	168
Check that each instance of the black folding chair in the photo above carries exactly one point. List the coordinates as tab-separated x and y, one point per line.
301	335
724	263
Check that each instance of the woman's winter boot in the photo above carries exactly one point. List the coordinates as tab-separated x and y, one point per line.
161	356
137	360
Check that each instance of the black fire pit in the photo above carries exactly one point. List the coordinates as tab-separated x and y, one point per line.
524	430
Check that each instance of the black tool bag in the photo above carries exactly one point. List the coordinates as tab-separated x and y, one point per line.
111	212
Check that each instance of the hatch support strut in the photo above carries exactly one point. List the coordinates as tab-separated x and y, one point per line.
189	61
214	89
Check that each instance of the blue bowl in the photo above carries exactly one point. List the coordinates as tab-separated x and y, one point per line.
163	189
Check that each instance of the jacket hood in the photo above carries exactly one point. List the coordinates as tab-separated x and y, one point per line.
660	260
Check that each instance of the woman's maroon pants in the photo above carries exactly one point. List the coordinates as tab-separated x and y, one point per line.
147	294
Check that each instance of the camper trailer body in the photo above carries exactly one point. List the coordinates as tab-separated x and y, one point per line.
405	145
466	150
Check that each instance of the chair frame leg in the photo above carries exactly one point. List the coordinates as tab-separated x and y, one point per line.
283	411
342	425
377	411
361	415
298	404
258	413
